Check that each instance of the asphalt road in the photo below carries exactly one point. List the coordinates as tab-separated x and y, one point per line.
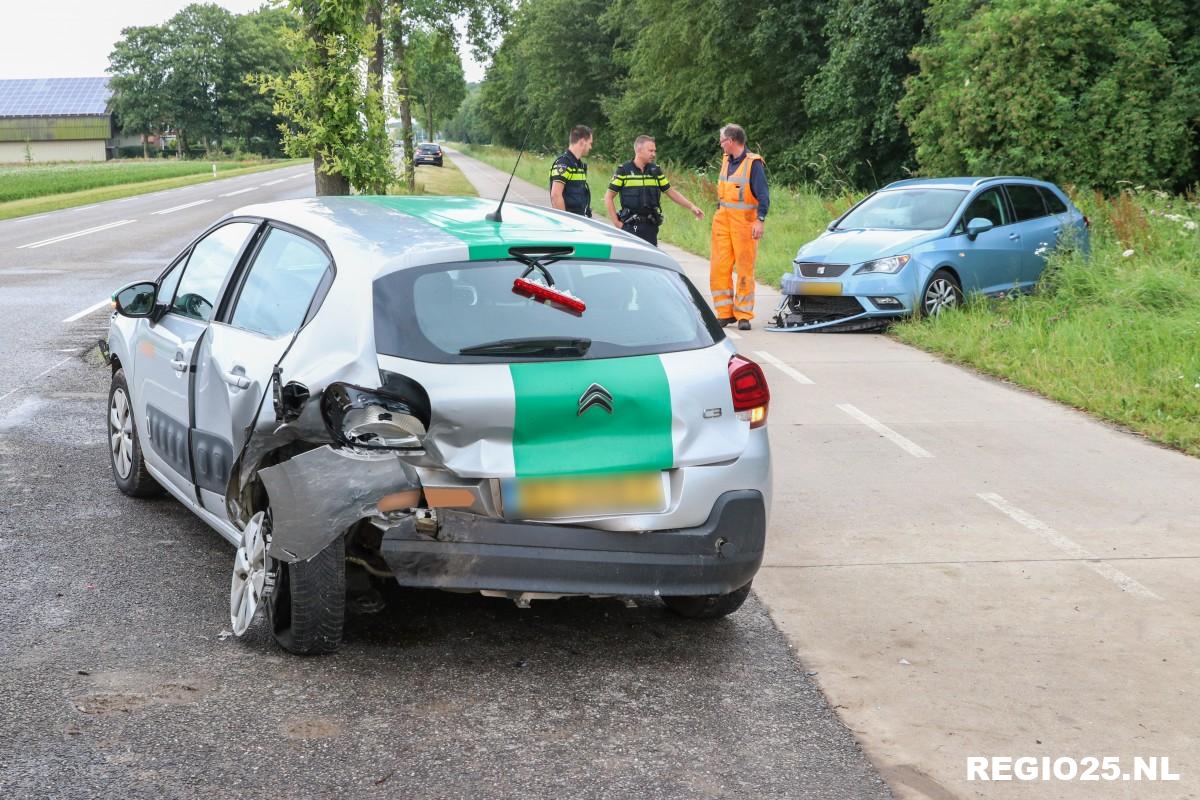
118	677
968	569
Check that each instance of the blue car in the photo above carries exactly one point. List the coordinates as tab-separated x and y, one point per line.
916	246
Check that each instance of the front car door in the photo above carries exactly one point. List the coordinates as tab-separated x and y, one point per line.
989	263
163	358
266	304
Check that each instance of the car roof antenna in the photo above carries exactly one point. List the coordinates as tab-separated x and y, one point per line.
495	216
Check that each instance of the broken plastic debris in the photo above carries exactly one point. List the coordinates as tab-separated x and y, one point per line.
1127	253
904	662
224	634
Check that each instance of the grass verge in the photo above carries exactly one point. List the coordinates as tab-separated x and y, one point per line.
445	180
54	202
1115	335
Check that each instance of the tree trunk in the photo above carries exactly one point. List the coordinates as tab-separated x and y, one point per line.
429	132
400	79
145	147
375	65
329	183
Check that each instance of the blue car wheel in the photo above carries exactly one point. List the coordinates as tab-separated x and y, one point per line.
941	293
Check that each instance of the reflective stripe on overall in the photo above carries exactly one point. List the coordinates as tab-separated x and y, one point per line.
733	248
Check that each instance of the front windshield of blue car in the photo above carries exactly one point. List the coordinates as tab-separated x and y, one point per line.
904	210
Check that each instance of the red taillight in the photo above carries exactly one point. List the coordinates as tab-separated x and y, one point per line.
545	294
750	393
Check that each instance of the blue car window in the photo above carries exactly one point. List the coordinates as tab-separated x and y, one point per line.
1053	202
990	206
1026	200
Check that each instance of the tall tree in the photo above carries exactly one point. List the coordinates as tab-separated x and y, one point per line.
137	64
484	19
333	111
853	125
199	37
1073	91
437	79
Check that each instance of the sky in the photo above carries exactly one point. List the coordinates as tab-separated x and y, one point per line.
72	38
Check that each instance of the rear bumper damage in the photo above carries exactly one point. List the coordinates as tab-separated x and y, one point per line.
473	553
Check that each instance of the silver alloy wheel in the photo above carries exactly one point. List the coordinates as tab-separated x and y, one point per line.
120	433
941	295
249	575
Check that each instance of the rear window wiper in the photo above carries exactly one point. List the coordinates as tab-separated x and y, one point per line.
552	346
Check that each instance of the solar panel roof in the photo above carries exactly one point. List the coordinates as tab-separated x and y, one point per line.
53	97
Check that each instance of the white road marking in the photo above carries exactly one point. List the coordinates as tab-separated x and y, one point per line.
907	445
272	183
1102	568
240	191
89	310
34	378
64	237
185	205
301	175
797	376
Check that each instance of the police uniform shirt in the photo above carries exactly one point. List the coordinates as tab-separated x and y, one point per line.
640	190
571	172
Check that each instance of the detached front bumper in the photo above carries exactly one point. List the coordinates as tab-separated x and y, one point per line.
854	303
474	553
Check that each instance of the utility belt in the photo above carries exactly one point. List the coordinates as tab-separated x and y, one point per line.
654	216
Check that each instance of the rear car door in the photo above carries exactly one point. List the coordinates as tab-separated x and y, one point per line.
991	262
164	357
267	303
1038	230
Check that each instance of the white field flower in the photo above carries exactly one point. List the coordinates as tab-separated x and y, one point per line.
1190	225
1127	253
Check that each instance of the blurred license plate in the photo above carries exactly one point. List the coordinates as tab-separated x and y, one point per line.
539	498
821	289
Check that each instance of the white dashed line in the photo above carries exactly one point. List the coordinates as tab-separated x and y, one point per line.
1092	562
240	191
904	444
64	237
272	183
797	376
301	175
185	205
41	374
89	310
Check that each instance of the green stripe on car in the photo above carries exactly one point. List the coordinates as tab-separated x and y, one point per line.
463	218
551	437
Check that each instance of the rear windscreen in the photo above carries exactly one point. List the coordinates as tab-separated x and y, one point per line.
432	313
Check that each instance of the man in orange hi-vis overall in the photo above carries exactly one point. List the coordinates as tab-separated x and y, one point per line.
742	203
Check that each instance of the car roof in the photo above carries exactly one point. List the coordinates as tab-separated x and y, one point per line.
377	235
959	182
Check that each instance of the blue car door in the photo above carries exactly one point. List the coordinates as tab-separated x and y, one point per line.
989	263
1037	229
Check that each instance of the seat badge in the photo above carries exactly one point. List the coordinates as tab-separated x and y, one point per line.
820	270
596	395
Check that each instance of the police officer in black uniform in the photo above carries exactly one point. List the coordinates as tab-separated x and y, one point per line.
568	175
640	184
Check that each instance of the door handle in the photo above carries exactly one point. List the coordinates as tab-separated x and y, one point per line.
235	380
178	364
1014	236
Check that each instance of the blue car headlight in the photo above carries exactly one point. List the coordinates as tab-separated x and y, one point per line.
889	266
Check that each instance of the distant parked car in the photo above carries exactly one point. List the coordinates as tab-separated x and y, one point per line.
428	153
915	246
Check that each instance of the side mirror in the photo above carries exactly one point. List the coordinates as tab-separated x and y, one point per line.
136	299
977	226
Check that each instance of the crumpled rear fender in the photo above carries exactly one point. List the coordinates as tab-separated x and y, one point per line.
317	495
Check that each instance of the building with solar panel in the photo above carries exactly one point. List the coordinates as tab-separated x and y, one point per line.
55	119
